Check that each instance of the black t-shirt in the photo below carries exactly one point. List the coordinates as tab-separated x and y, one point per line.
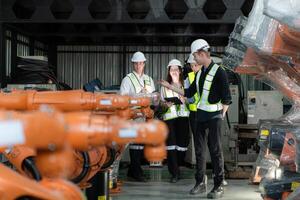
219	91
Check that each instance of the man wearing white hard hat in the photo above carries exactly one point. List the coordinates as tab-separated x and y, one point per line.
175	115
135	83
212	86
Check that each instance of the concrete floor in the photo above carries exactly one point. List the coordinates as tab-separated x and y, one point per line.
158	187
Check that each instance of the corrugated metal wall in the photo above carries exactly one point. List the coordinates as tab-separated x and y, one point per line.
40	49
8	57
23	49
78	65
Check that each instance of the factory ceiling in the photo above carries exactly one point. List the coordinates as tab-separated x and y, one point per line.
128	22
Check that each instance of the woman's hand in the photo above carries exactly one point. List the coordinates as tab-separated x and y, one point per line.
169	104
182	99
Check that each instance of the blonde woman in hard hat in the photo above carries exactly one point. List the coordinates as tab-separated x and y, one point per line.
212	86
176	117
134	83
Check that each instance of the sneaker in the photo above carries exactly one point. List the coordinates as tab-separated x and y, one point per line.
216	192
200	187
224	183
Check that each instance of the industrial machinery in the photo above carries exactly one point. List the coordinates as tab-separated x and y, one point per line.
263	105
102	105
272	56
53	135
78	100
74	100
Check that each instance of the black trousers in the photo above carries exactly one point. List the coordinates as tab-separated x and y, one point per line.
177	142
193	121
136	155
213	140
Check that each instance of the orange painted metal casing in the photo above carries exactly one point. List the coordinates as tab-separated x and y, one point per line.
14	185
73	100
285	77
287	42
139	101
56	164
52	133
97	157
17	155
50	124
87	130
288	154
155	153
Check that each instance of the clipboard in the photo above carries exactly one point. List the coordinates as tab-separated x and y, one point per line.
174	100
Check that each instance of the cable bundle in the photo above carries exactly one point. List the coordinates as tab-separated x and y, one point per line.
34	71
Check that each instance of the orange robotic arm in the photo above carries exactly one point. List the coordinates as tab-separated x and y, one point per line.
83	131
73	100
282	75
26	129
87	130
40	130
287	42
15	186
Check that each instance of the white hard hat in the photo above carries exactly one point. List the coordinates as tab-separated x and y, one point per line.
199	44
175	62
138	57
191	59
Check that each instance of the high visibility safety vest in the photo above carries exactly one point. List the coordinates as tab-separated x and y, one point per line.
175	110
137	84
203	103
193	106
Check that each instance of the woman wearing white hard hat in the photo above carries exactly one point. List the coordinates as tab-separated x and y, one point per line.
175	115
135	83
213	89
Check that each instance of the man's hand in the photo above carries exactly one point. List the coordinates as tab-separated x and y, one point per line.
144	90
164	83
171	87
225	108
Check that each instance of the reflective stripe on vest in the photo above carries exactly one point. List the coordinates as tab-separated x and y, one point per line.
193	106
175	110
136	83
203	103
176	147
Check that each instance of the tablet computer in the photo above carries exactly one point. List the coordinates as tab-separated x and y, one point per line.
174	100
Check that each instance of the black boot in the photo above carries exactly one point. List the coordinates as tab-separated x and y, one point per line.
216	193
174	179
135	177
200	187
